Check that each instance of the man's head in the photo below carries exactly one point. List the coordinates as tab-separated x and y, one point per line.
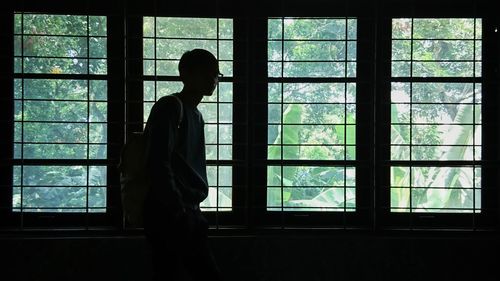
199	71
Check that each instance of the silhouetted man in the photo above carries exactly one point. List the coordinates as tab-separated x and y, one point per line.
173	223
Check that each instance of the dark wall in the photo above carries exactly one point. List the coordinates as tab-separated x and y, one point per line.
278	257
264	258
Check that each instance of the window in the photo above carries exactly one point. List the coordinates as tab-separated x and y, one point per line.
311	114
60	114
165	40
436	115
348	118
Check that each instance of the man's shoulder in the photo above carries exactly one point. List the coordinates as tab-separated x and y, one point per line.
168	102
165	107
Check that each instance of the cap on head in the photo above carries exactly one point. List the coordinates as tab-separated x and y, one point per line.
196	60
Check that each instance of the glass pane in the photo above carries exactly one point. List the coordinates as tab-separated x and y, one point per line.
318	152
17	46
98	26
98	133
274	29
98	66
148	48
313	92
220	191
55	111
311	47
52	115
97	151
310	188
307	29
98	47
54	89
186	27
98	90
443	69
148	26
443	50
174	48
442	134
401	49
167	88
55	46
225	50
314	69
443	92
400	69
443	28
59	199
314	50
308	121
352	29
224	92
98	111
166	67
226	28
435	121
401	28
54	151
18	23
55	66
97	198
55	132
40	24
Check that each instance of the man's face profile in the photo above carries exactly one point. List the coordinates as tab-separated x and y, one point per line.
205	80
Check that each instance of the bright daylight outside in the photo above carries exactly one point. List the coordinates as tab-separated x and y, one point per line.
311	120
435	121
60	123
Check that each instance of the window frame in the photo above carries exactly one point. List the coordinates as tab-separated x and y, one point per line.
79	220
134	108
360	218
250	101
488	217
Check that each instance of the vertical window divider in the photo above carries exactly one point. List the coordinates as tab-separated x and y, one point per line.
22	126
87	166
410	167
282	119
217	128
474	124
155	41
346	45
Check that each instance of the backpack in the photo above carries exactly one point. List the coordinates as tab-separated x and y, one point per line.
133	180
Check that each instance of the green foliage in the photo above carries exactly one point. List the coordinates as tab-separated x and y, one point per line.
174	36
441	47
60	118
311	47
292	115
443	123
58	187
61	44
316	121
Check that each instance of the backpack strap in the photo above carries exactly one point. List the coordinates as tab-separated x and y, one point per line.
181	110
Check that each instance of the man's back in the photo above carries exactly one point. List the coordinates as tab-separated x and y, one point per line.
176	156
